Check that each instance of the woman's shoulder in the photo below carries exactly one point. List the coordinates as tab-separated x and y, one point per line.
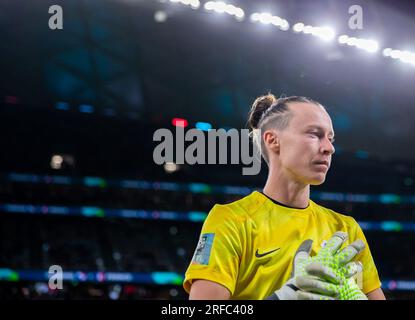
241	208
331	214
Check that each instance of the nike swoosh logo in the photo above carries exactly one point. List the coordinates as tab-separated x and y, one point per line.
260	255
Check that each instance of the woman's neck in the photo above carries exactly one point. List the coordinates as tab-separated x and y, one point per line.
287	191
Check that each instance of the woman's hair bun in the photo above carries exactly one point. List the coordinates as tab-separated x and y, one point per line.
260	105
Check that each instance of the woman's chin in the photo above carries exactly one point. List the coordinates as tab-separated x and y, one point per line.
317	180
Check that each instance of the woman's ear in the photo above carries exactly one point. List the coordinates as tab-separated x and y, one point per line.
271	140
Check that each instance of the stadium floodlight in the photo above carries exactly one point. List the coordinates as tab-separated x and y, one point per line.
239	13
223	7
298	27
395	54
403	56
160	16
352	41
268	18
171	167
254	17
209	5
343	39
265	18
284	26
195	4
275	20
407	57
230	9
387	52
364	44
220	7
308	29
324	33
192	3
56	162
368	45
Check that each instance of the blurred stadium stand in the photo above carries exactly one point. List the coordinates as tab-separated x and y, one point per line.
93	94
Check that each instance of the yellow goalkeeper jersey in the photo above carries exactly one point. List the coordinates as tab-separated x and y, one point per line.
248	245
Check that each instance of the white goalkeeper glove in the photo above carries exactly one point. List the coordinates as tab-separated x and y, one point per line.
290	290
333	272
322	277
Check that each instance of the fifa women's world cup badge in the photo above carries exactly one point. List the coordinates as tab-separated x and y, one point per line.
202	253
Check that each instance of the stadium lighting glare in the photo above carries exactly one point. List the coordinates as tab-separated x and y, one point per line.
351	41
403	56
222	7
308	29
324	33
171	167
285	26
395	54
407	57
265	18
193	3
204	126
160	16
56	162
178	122
387	52
268	18
276	21
230	9
298	27
343	39
239	13
364	44
209	5
370	46
254	17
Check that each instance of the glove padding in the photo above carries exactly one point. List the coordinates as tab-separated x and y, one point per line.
327	276
290	290
332	271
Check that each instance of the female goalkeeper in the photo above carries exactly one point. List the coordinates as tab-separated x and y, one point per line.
246	248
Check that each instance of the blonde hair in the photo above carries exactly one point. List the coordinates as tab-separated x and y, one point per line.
269	111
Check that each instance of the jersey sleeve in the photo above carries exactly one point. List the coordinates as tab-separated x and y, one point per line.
218	252
370	274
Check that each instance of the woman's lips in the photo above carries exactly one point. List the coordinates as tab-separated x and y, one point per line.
321	164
